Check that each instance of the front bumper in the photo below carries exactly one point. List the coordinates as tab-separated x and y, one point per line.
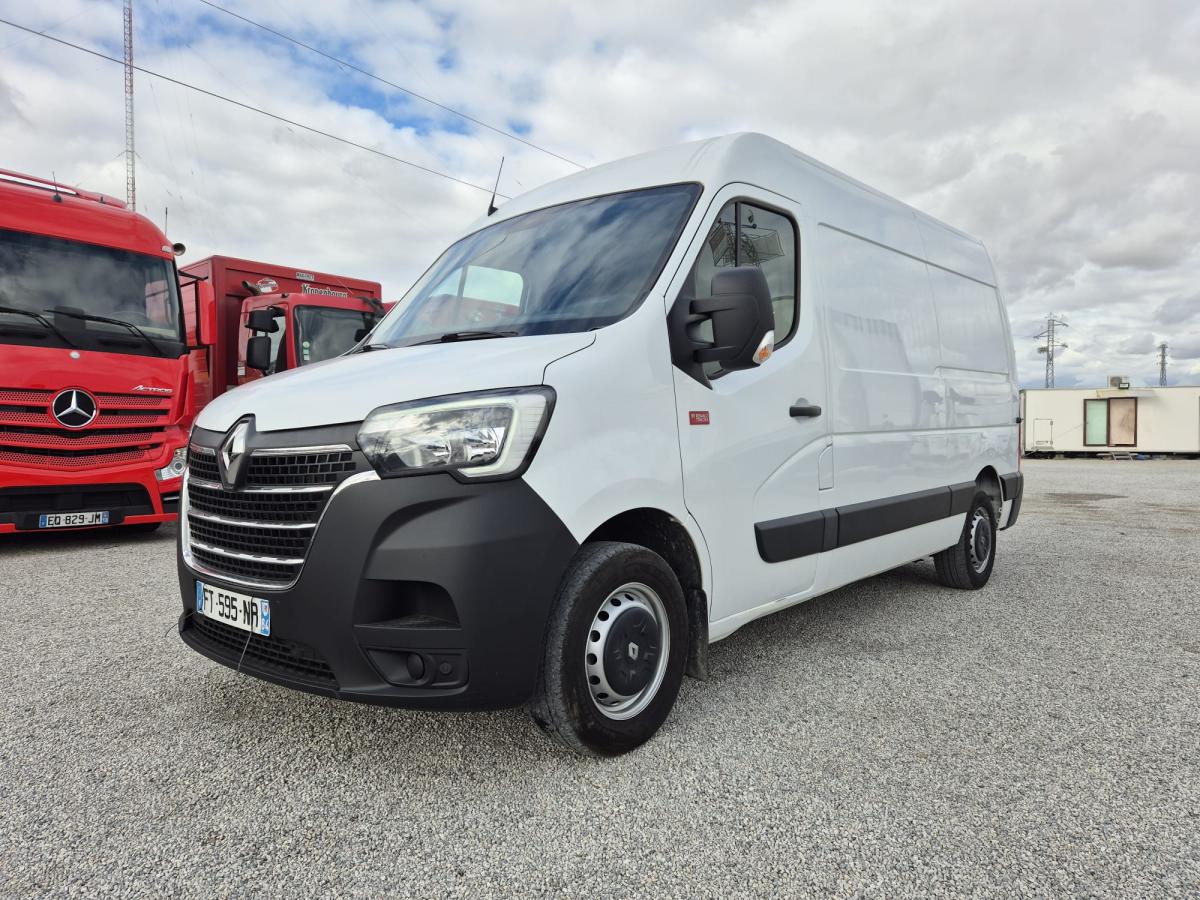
420	592
130	498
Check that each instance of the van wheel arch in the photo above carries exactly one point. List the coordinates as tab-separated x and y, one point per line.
988	481
665	535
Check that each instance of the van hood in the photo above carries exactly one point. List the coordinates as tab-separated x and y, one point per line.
348	388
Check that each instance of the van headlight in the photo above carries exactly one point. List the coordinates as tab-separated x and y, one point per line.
490	434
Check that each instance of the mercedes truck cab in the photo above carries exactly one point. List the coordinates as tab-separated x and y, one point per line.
625	415
96	362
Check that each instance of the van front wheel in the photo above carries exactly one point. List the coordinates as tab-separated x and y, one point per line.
616	647
968	564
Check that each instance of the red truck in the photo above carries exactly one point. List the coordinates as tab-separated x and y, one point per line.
289	317
105	361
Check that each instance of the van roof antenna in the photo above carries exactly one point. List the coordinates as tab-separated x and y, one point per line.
496	187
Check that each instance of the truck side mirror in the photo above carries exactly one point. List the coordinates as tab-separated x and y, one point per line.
206	327
743	323
258	351
262	321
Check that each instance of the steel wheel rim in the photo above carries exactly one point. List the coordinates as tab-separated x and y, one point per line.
979	541
630	597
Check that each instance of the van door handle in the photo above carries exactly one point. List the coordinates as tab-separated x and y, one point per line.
801	410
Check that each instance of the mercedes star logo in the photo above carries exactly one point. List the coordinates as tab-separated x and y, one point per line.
74	408
233	454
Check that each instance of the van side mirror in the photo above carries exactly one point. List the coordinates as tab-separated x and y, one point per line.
743	323
258	351
262	321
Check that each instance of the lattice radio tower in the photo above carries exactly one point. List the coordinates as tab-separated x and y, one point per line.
130	179
1162	364
1052	344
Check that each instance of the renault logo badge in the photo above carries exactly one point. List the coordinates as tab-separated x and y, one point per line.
74	408
232	456
634	650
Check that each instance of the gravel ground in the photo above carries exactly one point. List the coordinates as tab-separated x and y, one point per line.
894	738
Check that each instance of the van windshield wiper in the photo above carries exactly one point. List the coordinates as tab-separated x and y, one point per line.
451	337
89	317
369	347
40	319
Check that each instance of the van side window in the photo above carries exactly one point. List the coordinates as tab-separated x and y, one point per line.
748	235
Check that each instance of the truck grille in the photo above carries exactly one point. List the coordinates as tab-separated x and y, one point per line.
260	534
128	428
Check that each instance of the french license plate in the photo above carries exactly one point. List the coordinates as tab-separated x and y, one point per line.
72	520
242	611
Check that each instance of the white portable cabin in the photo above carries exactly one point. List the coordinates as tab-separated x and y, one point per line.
1113	418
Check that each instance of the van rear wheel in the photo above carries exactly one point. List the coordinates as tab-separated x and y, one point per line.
968	564
616	647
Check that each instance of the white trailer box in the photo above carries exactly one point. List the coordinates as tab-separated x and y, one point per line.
1100	420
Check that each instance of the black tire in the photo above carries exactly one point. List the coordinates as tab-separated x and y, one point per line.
968	564
563	704
142	528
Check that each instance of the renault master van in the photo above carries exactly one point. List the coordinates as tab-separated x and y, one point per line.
625	415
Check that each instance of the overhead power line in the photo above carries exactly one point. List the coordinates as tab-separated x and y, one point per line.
254	109
391	84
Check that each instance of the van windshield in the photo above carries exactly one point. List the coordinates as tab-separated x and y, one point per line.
574	267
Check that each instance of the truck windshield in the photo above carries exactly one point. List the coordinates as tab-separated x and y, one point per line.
574	267
323	332
55	287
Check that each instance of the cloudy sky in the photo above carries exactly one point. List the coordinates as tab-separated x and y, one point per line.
1066	135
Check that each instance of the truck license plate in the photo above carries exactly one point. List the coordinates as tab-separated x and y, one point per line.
72	520
242	611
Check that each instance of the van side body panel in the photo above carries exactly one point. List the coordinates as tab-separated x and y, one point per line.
610	448
915	379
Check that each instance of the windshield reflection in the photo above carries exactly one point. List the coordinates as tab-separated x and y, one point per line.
574	267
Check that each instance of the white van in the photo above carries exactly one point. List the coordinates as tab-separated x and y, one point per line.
625	415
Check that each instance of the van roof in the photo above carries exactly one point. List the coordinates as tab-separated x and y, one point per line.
762	161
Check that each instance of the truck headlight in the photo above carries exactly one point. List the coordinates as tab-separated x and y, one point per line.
490	434
175	467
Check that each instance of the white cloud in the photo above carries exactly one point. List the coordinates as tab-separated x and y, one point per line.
1064	135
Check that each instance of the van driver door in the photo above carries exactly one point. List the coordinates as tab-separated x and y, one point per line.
751	441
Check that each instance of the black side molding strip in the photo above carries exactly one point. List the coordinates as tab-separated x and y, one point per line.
827	529
797	536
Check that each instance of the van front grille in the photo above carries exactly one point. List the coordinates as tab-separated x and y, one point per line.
265	508
273	470
260	534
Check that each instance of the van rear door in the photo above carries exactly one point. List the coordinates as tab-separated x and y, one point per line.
750	467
